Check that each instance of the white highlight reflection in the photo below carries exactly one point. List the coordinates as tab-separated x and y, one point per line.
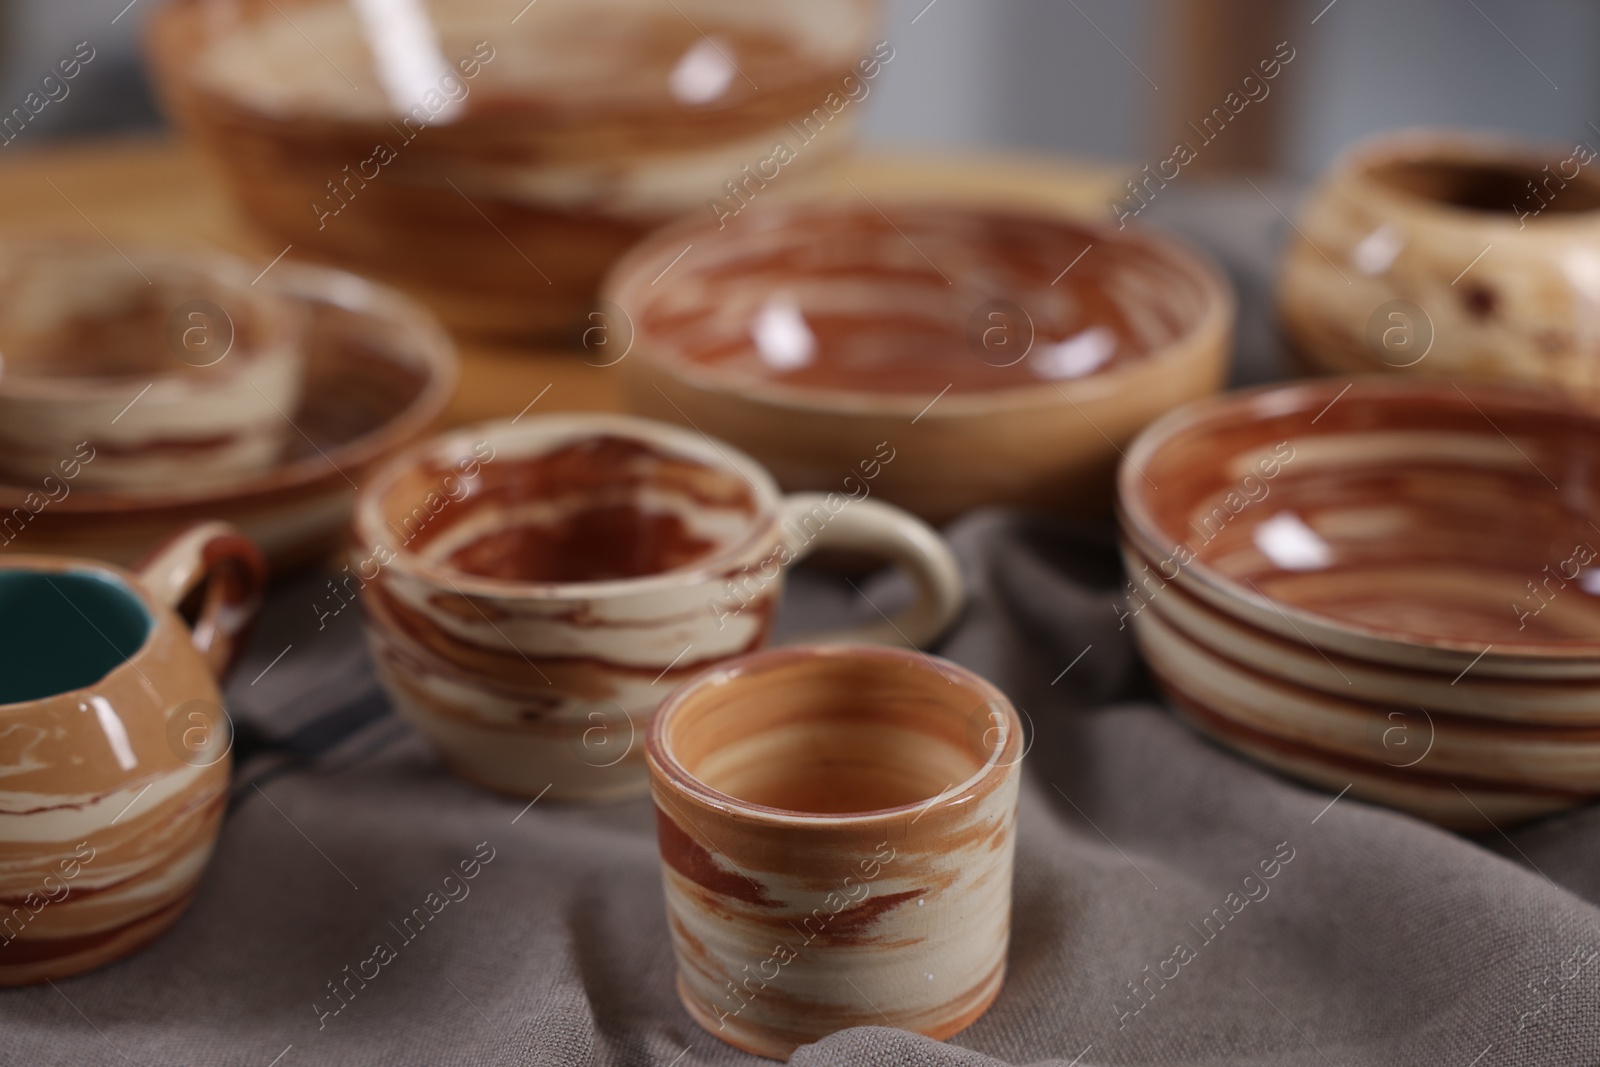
782	337
116	733
703	73
1376	251
1075	357
1288	542
406	51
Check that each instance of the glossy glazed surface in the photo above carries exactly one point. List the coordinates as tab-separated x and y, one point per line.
848	299
498	173
1382	585
113	790
531	635
1438	518
784	885
379	371
999	364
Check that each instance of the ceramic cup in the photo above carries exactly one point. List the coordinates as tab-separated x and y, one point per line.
533	588
168	370
836	829
114	747
1451	255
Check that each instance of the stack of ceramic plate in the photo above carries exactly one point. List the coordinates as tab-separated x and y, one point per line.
1388	586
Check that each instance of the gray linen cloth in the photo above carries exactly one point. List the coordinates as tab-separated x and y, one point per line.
1378	939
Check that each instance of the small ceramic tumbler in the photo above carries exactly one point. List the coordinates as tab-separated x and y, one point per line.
532	589
114	747
836	828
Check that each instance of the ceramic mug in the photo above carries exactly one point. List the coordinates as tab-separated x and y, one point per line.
836	829
171	374
532	589
114	747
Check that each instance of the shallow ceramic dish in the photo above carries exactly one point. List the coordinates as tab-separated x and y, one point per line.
498	169
1418	524
379	372
1446	254
1005	356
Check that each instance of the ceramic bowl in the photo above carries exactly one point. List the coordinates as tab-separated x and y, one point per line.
379	372
164	366
1420	524
1451	255
1004	356
497	162
1385	581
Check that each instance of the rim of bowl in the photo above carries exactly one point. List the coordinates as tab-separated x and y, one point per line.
1445	145
427	345
660	757
271	309
367	518
1214	322
1139	524
163	37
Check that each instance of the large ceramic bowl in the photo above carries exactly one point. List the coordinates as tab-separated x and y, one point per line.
1384	584
1451	255
965	355
379	371
495	161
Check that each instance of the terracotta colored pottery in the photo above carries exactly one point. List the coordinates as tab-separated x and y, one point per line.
836	830
534	588
496	162
379	371
1390	582
114	766
166	368
1006	356
1451	255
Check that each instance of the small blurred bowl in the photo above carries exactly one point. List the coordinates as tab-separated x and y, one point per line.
379	372
526	150
151	371
1454	255
951	354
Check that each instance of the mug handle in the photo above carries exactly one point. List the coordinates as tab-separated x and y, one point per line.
878	529
228	564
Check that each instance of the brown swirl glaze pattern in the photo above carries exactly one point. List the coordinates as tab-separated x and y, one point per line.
1399	596
568	144
111	795
836	829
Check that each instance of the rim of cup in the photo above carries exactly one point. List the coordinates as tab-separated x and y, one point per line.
538	434
662	759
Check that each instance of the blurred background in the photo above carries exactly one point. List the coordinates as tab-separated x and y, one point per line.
1110	79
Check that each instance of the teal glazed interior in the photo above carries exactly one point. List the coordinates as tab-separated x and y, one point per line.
61	631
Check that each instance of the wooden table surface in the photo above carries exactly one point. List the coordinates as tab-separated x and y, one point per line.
159	190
